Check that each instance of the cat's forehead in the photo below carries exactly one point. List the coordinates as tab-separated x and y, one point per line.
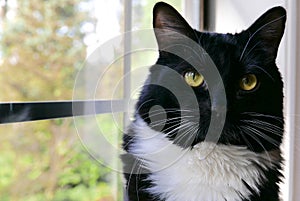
219	42
224	50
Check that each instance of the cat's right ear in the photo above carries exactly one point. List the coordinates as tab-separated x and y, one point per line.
266	32
169	26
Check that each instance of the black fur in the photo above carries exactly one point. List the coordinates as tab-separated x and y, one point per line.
251	51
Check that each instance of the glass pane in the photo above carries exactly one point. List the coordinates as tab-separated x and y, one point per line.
142	12
42	45
47	161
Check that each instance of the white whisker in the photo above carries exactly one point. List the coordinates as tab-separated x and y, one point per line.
265	126
254	114
253	136
252	49
260	68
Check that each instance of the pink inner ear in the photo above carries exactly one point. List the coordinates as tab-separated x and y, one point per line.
164	19
159	21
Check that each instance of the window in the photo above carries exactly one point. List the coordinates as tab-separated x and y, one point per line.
45	47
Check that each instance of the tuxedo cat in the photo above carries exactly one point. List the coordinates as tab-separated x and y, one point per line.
168	153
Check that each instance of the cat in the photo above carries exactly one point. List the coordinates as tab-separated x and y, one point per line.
168	153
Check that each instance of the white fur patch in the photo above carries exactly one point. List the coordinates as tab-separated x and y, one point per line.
208	172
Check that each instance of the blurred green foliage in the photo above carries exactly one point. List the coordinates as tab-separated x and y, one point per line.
41	50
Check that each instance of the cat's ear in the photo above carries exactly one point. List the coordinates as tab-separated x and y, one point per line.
266	32
167	22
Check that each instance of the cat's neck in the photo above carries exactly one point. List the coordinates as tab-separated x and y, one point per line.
206	172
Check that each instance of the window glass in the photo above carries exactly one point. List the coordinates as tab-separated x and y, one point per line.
42	46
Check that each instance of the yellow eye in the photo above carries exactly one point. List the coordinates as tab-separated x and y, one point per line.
248	82
193	79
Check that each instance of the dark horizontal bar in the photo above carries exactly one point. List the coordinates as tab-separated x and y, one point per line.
32	111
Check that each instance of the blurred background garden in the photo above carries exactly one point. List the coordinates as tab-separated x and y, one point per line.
43	44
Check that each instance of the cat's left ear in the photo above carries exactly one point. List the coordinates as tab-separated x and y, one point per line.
169	25
267	31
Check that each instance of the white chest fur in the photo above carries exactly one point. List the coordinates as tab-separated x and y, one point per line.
208	172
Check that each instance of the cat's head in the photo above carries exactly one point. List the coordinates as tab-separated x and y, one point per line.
179	101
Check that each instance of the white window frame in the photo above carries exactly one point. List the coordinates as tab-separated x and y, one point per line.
293	98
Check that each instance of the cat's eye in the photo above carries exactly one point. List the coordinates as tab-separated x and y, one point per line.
248	82
193	79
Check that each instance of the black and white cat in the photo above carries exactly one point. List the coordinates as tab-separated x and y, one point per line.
245	162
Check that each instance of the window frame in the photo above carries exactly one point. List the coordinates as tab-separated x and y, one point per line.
292	104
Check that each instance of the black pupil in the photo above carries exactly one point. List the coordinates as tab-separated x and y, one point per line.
194	76
247	80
